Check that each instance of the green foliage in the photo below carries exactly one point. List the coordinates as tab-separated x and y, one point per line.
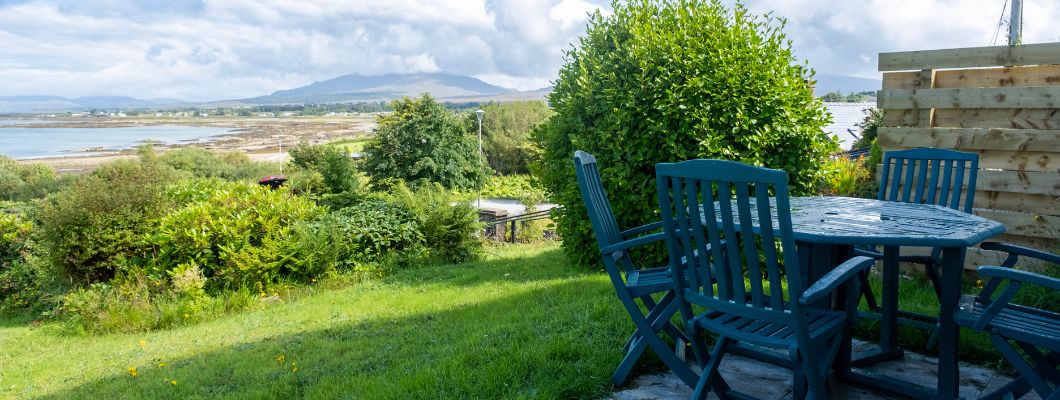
95	228
23	182
356	238
868	127
421	141
670	81
233	166
512	187
233	231
506	131
448	221
24	281
845	177
332	163
137	303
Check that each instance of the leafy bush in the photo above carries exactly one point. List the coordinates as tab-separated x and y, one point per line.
137	303
233	166
96	227
332	163
421	141
512	187
448	221
24	281
670	81
23	182
506	131
233	231
845	177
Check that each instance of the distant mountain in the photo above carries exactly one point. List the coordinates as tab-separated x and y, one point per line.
358	88
846	84
29	104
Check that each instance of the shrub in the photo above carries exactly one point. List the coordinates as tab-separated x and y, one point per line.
669	81
23	182
233	166
512	187
231	230
332	163
25	282
845	177
868	127
448	221
420	142
96	227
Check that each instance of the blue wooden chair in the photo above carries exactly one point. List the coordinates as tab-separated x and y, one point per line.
924	176
739	263
633	284
1036	332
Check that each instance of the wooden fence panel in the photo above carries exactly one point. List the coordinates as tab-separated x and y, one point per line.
1006	108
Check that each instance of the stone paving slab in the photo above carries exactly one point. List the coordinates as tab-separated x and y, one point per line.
770	382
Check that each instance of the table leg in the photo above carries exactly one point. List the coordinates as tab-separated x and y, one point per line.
889	317
949	335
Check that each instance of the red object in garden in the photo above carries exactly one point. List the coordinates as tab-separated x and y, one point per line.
272	181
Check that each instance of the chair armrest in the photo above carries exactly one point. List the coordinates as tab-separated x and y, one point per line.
838	276
631	243
1020	276
1021	251
642	229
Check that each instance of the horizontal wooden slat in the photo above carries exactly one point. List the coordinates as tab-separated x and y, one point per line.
1014	118
993	56
1018	202
1008	97
1024	224
1030	161
1042	75
1043	183
971	138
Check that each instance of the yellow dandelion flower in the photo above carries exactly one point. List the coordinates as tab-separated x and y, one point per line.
281	359
173	382
185	316
161	365
143	343
132	372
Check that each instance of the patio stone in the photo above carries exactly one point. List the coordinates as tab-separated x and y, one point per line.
767	381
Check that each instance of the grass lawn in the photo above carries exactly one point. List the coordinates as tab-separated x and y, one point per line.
520	324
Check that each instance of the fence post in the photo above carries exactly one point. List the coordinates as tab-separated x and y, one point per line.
495	231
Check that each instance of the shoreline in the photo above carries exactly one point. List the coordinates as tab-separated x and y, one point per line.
259	138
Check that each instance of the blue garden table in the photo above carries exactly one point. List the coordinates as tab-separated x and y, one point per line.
828	228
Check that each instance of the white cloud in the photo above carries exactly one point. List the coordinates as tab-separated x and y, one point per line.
223	49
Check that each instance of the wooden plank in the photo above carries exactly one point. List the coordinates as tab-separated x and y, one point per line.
971	138
1039	183
1030	161
1042	183
1024	224
1007	97
1019	118
1017	202
1042	75
927	80
993	56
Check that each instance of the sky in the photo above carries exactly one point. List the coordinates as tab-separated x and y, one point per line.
201	50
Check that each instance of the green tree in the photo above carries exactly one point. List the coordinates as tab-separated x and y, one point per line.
332	163
664	81
506	131
421	141
834	97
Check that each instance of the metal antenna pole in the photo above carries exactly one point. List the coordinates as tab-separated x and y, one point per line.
1015	23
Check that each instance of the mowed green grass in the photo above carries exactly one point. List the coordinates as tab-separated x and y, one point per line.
521	324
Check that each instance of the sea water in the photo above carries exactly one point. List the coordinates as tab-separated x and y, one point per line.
53	142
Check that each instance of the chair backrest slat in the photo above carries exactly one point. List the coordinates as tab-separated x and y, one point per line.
599	208
912	176
728	208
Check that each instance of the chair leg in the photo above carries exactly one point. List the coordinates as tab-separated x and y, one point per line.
1027	373
710	378
632	355
648	327
866	291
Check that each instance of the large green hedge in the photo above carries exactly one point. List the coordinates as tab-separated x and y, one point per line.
663	81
